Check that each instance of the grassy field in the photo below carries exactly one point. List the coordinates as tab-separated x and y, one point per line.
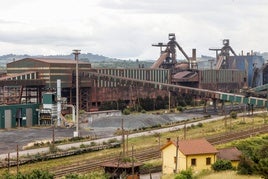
227	175
218	175
207	129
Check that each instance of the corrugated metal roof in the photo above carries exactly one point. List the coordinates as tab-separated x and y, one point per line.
58	60
53	60
184	74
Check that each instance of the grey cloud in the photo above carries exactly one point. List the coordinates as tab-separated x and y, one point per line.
44	37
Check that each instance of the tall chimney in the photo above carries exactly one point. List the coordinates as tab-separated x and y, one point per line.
193	64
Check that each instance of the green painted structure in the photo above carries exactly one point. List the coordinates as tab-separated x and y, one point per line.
19	115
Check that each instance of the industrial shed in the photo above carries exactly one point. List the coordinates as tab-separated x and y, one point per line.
50	70
19	115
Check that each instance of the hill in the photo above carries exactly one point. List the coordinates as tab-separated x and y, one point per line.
97	61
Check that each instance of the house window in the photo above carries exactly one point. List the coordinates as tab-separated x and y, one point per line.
208	161
193	162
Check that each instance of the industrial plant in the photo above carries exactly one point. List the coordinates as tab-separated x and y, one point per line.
36	91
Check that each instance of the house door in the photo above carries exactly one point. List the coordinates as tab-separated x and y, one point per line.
29	117
8	118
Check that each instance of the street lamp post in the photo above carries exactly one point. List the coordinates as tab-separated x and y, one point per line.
76	53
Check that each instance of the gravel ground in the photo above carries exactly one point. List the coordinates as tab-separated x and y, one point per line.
103	127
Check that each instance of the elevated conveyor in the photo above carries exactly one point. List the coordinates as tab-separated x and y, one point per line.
182	89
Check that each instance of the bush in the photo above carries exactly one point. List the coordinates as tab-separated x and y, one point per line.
53	148
93	143
200	124
143	111
185	174
233	115
126	112
180	108
40	174
245	166
221	165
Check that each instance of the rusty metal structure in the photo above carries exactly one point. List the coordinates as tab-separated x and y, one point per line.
168	60
27	79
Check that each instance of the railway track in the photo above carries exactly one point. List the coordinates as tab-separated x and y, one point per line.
230	136
143	155
95	164
154	153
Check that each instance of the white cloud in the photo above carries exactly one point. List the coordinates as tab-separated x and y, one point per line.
127	28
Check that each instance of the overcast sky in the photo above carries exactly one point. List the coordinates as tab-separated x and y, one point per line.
127	28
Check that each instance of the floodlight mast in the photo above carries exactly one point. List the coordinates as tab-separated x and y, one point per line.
76	53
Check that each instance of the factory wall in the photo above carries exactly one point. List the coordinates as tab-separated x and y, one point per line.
157	75
224	80
20	115
246	63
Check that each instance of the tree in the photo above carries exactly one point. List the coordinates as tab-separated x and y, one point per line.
262	167
245	166
40	174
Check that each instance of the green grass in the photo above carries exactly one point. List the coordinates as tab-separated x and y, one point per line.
207	129
227	175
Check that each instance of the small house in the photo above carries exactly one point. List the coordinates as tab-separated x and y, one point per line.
232	154
197	154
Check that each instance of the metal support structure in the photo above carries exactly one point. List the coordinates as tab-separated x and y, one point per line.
73	110
76	53
58	102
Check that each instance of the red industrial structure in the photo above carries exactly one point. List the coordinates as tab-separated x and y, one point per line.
27	79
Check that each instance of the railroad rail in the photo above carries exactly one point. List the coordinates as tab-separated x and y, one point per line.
230	136
143	155
95	164
154	153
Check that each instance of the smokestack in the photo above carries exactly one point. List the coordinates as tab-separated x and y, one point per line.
242	53
193	59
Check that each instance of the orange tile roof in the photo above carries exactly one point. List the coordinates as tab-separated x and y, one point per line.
194	146
232	154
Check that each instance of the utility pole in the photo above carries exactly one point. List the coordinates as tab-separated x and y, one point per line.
177	148
123	138
17	159
132	162
76	53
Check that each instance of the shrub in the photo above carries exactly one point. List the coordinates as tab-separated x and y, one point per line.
221	165
200	124
83	146
93	143
233	115
245	166
185	174
72	176
42	174
180	108
143	111
113	140
126	111
53	148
